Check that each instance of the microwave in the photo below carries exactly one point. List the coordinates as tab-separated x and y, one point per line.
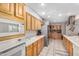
10	27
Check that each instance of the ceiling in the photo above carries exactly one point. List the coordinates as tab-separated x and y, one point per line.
55	12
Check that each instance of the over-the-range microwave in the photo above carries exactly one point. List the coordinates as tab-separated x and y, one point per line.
10	27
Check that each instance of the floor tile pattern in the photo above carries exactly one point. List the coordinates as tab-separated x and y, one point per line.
55	48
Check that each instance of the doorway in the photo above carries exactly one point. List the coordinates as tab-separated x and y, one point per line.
54	31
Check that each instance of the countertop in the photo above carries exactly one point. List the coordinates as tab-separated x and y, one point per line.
7	44
33	39
73	39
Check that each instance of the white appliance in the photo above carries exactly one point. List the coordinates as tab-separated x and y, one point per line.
14	51
13	47
10	27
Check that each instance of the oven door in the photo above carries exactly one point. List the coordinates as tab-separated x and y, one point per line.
18	50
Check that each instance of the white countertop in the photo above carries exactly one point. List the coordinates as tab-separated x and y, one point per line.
4	45
73	39
33	39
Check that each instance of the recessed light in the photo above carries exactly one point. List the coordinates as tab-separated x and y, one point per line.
60	15
48	16
42	4
43	13
69	14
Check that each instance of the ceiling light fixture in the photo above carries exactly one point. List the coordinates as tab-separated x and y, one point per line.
48	16
60	15
43	13
42	4
68	13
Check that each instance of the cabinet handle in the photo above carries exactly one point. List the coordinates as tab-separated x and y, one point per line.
19	39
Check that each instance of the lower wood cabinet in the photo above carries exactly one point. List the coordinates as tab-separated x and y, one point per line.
29	50
35	45
35	48
39	46
68	46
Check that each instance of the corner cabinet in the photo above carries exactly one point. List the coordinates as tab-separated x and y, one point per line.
7	8
19	10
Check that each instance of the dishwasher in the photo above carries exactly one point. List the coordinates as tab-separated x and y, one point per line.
18	50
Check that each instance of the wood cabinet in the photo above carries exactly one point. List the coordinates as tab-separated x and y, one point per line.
68	45
33	23
36	24
39	46
29	50
35	48
39	24
28	21
13	11
7	8
69	48
42	42
19	10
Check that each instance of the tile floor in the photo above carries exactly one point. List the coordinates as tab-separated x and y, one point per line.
55	48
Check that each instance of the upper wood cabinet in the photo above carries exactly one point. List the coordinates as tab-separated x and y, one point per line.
36	24
13	11
19	10
39	24
28	21
33	23
7	8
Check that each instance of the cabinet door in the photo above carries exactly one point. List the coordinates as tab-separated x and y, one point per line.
7	8
33	22
29	51
39	25
42	42
70	49
19	10
39	46
35	45
36	24
28	21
